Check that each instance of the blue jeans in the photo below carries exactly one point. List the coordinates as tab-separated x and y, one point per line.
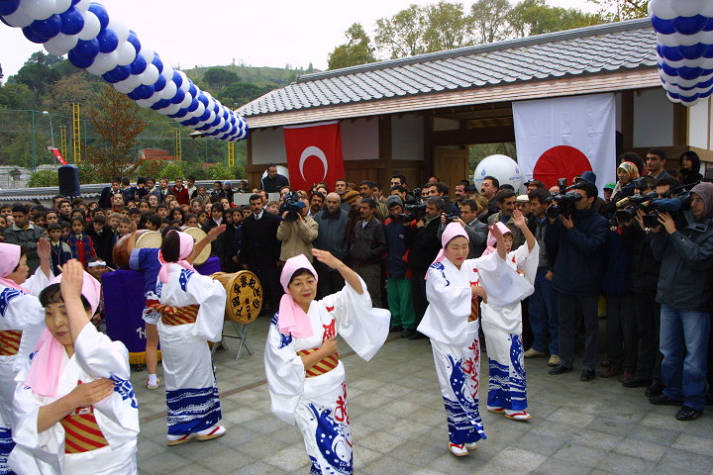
542	310
684	332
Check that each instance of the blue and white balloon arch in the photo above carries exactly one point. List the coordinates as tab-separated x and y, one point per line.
685	47
104	47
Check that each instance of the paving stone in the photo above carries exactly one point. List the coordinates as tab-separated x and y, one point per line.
692	443
639	448
382	441
387	465
290	458
617	463
687	462
540	444
596	439
583	455
226	462
163	463
514	460
571	416
553	466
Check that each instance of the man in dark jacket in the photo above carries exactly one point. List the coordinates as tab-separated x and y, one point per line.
367	247
103	239
273	181
398	286
685	250
332	237
260	251
578	269
25	234
108	192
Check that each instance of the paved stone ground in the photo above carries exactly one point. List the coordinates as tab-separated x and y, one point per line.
399	426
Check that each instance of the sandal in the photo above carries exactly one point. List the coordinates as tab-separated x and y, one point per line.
520	416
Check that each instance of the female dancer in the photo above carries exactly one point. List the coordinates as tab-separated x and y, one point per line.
75	410
304	374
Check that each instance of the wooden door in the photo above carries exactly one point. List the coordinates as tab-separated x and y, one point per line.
450	165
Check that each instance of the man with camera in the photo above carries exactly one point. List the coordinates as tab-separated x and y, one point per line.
685	249
297	230
577	235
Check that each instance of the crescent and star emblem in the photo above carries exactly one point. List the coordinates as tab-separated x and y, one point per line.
309	152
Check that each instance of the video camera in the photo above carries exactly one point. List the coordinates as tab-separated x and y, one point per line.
418	207
292	205
563	204
652	206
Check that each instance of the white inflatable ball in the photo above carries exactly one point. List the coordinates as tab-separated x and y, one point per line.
121	30
92	27
502	167
38	9
19	19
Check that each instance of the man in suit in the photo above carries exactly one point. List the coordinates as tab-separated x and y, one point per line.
260	251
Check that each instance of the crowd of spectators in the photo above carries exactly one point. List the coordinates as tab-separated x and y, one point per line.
649	258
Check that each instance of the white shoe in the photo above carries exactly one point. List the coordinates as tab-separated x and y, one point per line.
458	450
211	433
533	353
471	446
520	416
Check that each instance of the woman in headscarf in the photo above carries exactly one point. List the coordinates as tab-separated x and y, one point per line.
454	286
192	307
75	410
304	373
21	324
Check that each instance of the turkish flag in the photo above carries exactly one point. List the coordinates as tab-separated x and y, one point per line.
314	154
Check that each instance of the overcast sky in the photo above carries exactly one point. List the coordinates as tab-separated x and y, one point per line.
216	32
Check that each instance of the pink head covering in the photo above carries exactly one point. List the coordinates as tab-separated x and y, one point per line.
185	247
46	367
452	231
293	320
492	242
10	255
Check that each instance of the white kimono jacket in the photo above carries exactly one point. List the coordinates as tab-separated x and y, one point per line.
191	387
318	404
117	416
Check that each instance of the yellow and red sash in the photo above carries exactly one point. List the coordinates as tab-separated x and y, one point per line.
322	366
174	315
81	432
10	342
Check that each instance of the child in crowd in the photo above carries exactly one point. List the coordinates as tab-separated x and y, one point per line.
79	241
125	226
59	250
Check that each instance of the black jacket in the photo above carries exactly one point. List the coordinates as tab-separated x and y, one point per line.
644	269
368	243
103	244
425	246
260	246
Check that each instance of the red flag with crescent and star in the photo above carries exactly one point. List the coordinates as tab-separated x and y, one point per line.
314	154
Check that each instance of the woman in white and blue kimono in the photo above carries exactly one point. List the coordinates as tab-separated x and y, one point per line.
75	410
305	376
192	308
454	286
502	324
21	324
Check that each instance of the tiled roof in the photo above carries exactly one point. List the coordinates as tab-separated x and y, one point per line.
596	49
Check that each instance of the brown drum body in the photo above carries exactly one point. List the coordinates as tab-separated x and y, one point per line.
121	250
197	234
244	295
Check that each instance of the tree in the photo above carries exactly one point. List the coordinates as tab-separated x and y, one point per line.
115	119
357	50
43	178
447	27
36	75
68	90
534	17
488	18
618	10
218	78
403	34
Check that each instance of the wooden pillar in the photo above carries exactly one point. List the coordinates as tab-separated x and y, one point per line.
427	169
385	155
627	120
680	125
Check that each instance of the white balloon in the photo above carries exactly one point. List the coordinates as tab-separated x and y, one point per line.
61	44
147	53
150	75
123	86
38	9
83	5
18	19
62	6
186	101
502	167
169	110
184	83
127	53
121	30
167	73
169	91
103	63
200	110
92	27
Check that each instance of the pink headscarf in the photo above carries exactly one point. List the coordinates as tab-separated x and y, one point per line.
452	231
293	320
46	367
492	242
10	255
184	250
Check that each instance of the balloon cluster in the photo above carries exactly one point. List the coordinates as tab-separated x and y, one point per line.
685	47
106	48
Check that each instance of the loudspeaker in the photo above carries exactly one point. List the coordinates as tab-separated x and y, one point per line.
69	181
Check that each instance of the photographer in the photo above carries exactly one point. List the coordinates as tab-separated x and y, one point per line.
685	249
297	230
578	239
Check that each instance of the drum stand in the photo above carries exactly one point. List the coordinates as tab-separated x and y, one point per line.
241	334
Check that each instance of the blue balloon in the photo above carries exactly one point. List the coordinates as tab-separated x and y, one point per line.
134	40
215	122
671	53
101	13
8	7
158	63
690	73
161	104
181	113
178	98
108	41
160	84
72	21
133	96
203	127
689	25
139	65
708	53
33	36
177	79
204	117
82	55
192	90
190	122
193	106
143	91
665	27
692	51
203	98
79	60
49	28
117	74
709	24
224	129
668	69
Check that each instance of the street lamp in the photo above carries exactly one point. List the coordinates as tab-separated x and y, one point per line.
51	128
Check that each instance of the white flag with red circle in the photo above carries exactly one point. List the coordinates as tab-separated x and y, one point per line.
563	137
314	154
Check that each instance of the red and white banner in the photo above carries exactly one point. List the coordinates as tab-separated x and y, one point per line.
563	137
314	154
58	155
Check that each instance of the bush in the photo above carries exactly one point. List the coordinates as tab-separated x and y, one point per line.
43	178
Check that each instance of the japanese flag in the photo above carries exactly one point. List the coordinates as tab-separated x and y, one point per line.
563	137
314	154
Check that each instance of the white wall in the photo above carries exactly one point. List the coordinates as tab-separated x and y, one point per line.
653	119
268	146
407	137
360	139
698	126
